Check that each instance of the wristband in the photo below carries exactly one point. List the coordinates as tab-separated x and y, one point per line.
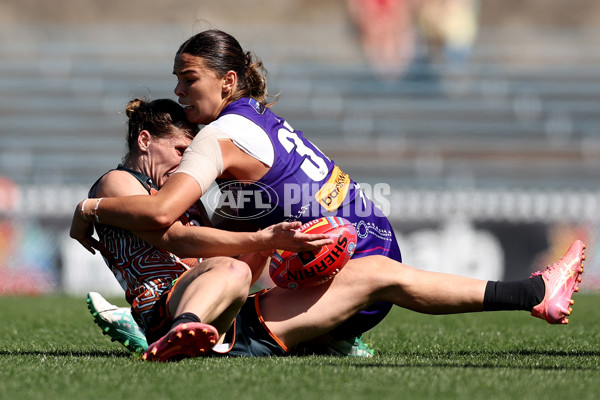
95	212
83	210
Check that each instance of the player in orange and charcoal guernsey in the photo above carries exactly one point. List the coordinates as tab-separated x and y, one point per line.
160	286
247	147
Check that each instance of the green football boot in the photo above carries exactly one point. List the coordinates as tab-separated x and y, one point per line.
117	323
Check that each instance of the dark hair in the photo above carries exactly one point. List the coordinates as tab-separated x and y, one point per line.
158	117
221	53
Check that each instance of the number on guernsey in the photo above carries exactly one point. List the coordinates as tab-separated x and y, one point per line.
313	165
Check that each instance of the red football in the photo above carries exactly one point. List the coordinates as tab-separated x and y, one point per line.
302	270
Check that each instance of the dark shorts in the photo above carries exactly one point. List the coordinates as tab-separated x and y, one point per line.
248	336
160	320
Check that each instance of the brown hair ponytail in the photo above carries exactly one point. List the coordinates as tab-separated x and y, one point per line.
221	52
158	117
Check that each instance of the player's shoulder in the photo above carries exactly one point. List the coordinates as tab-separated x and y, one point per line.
247	134
232	124
119	183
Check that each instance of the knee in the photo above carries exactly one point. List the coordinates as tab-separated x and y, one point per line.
237	274
240	272
378	275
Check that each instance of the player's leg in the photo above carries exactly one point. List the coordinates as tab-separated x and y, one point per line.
298	316
383	279
203	303
546	294
119	325
214	291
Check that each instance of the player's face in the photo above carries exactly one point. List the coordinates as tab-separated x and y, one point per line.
164	155
199	89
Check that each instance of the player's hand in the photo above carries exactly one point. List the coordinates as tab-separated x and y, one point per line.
82	230
285	236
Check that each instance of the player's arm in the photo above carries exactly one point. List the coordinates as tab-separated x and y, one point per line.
204	242
135	212
209	156
202	163
128	205
145	212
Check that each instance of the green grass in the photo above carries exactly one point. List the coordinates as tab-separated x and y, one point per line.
50	349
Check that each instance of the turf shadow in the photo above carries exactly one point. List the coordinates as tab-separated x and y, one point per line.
66	353
517	359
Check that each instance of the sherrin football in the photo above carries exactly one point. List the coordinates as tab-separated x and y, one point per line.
311	268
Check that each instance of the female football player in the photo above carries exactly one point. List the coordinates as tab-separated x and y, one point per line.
214	289
247	147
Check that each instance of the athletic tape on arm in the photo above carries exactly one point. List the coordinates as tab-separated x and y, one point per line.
203	160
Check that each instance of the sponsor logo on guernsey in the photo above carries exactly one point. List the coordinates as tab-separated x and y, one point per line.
334	191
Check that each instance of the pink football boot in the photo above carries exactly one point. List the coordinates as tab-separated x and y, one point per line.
192	339
561	279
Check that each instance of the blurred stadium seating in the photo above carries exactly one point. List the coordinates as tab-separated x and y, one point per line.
523	114
513	135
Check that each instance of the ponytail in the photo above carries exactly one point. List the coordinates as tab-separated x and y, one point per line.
221	52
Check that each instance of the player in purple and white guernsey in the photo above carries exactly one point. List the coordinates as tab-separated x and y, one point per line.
269	172
301	184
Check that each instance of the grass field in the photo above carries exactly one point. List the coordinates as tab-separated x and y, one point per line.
50	349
